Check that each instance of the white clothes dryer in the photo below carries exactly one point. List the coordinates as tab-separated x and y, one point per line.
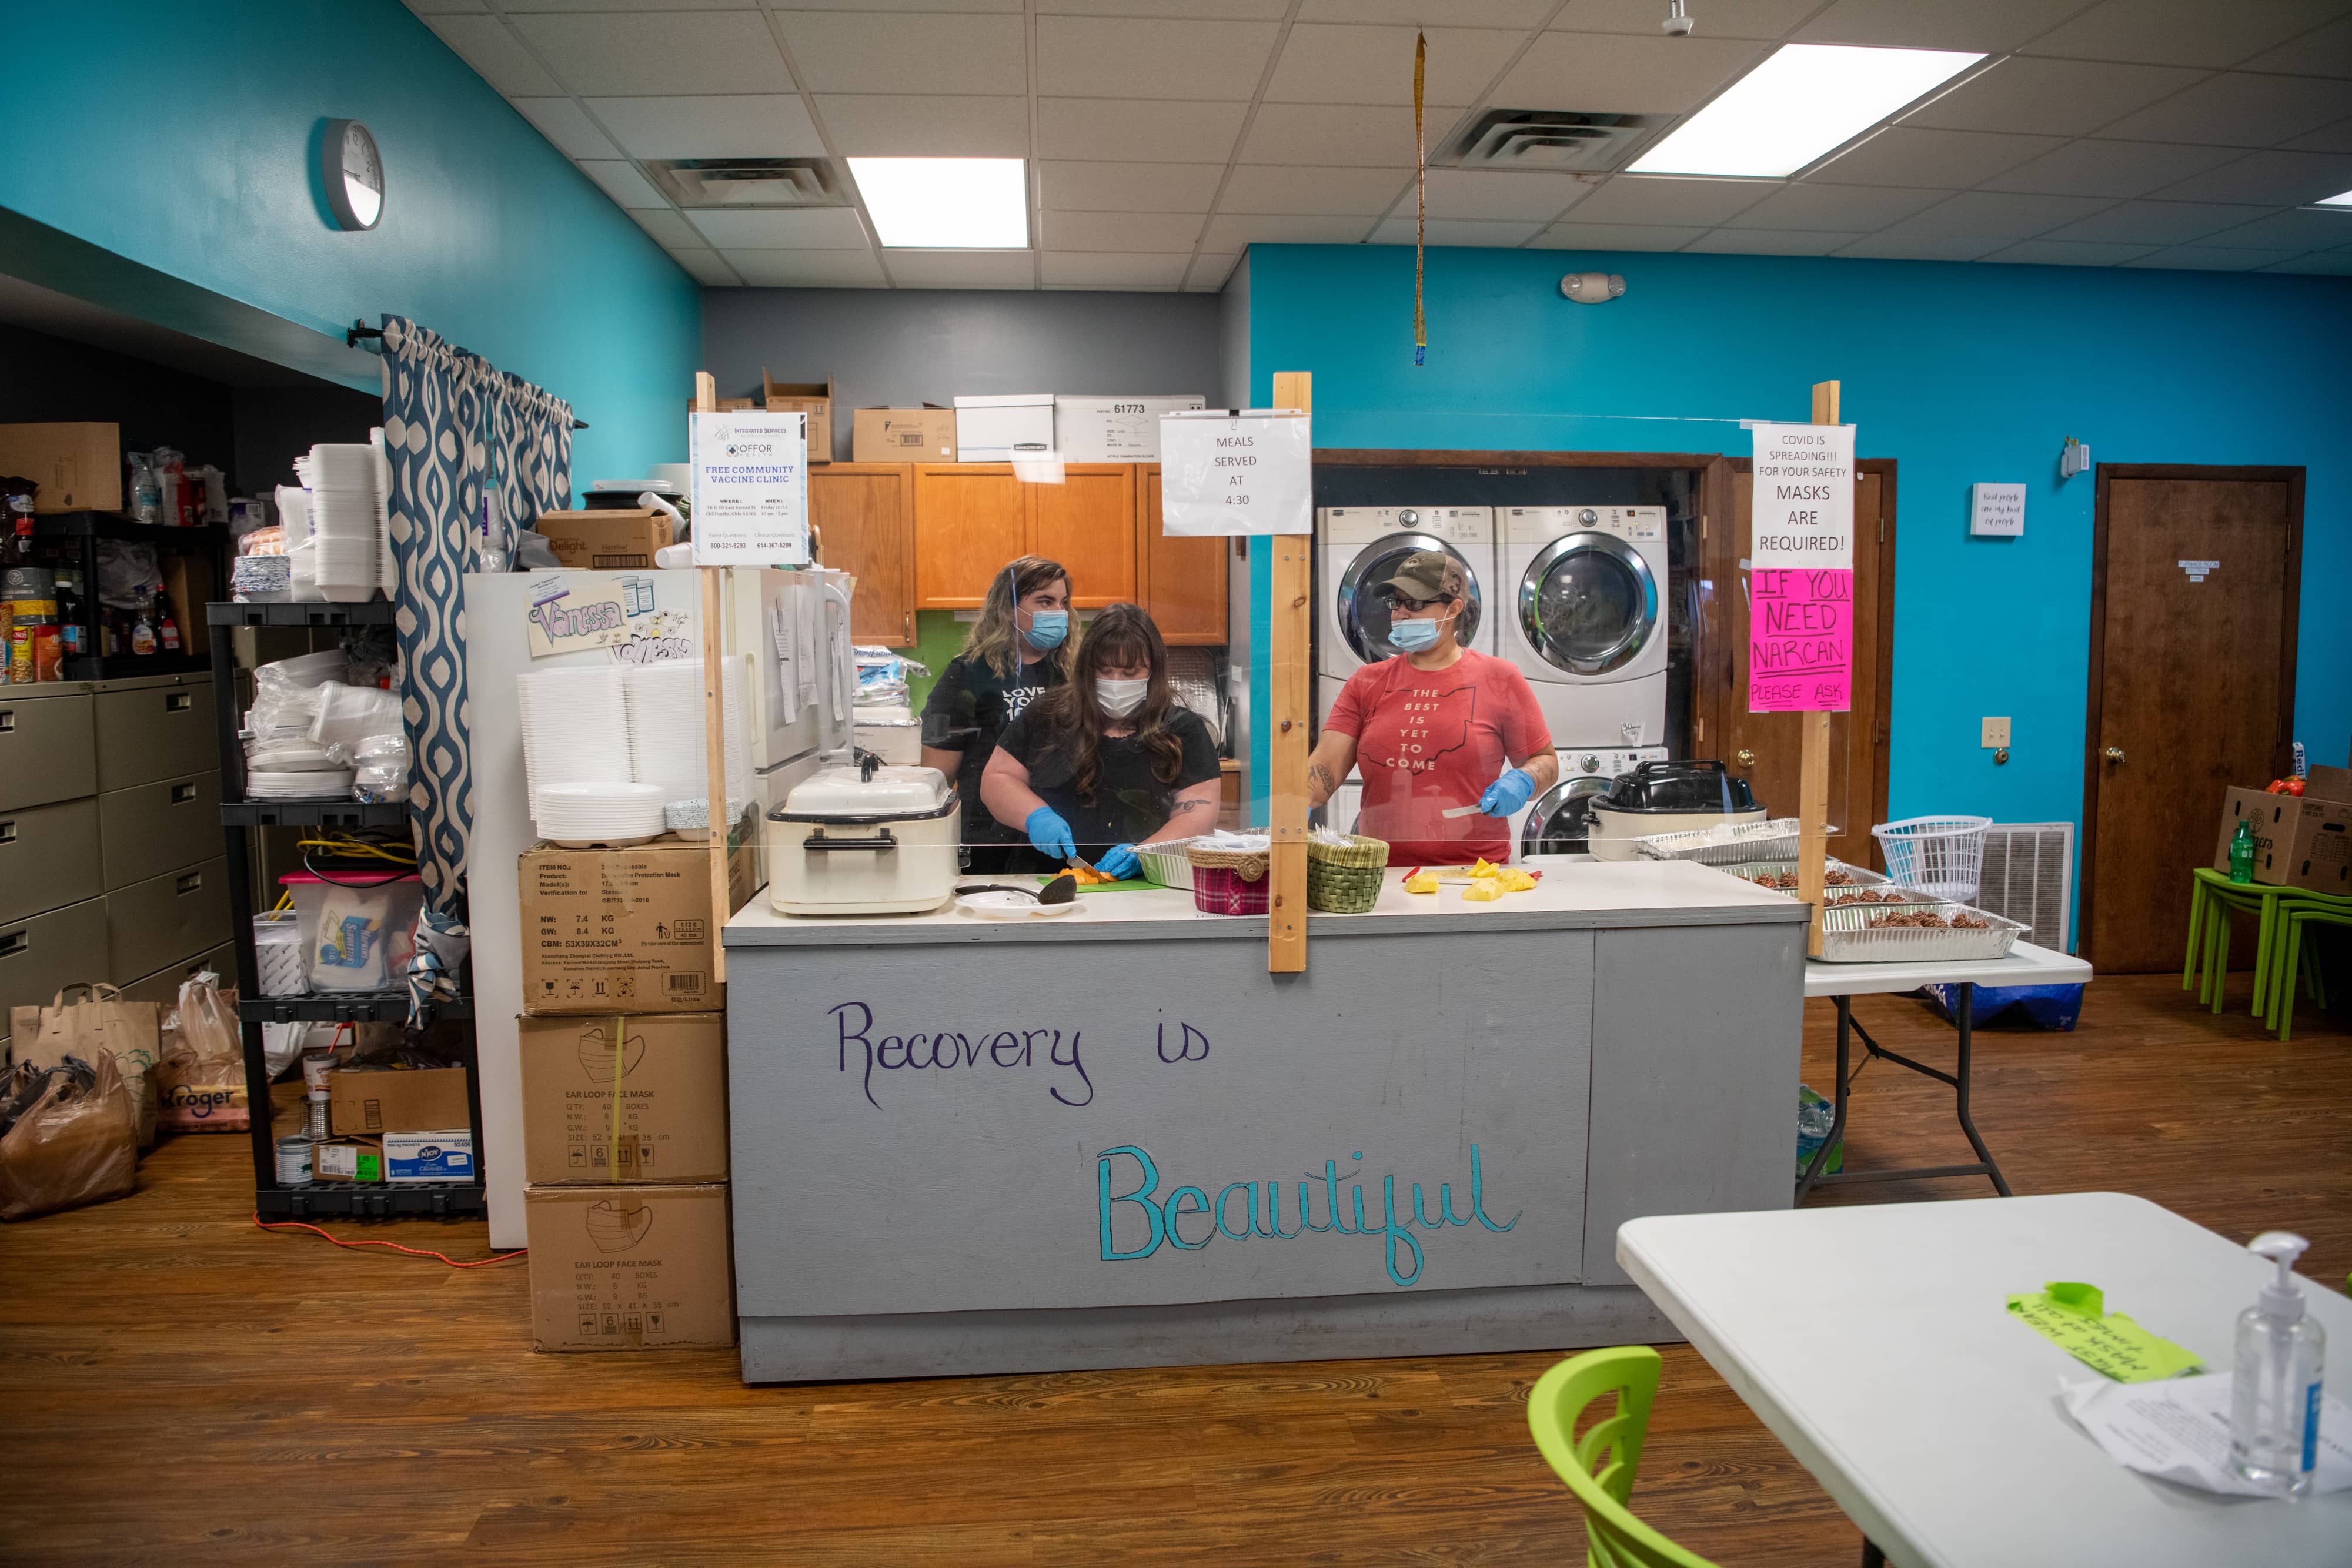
1358	547
1559	821
1582	593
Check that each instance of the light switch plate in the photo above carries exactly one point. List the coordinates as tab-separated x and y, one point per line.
1996	732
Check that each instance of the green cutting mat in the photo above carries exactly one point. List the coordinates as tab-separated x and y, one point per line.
1131	884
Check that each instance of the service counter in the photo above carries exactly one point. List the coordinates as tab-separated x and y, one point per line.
1113	1139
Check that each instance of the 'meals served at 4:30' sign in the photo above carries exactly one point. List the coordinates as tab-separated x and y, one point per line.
1800	600
1222	474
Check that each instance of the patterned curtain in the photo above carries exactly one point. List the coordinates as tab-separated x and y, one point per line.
531	450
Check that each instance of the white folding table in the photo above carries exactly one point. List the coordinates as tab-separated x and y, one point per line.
1874	1342
2026	964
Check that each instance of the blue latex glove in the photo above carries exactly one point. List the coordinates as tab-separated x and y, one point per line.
1507	794
1117	861
1050	833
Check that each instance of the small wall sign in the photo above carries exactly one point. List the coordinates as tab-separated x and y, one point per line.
2198	569
1996	511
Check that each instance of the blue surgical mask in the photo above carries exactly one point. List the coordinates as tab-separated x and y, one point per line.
1047	628
1415	636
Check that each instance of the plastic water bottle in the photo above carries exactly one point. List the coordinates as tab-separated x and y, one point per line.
2274	1396
2241	852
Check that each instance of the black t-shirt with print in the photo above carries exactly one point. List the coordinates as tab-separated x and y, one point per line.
1130	804
966	712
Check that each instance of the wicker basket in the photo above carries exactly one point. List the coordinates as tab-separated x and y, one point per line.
1346	879
1227	882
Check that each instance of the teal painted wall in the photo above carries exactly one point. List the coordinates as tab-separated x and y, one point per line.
1961	372
490	237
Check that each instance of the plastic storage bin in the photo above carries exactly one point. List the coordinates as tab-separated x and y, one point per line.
358	931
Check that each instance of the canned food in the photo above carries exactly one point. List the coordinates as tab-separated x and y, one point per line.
318	1122
293	1160
316	1065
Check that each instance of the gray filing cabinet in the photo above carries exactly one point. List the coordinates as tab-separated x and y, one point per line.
110	862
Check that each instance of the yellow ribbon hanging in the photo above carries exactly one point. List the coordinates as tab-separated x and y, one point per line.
1420	195
620	1064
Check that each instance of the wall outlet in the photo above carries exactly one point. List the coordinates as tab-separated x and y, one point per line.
1996	733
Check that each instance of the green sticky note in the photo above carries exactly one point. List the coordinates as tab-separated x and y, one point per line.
2074	1317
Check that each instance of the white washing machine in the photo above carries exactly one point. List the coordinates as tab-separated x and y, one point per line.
1358	547
1582	613
1558	821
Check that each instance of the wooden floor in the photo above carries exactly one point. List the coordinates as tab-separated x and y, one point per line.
180	1387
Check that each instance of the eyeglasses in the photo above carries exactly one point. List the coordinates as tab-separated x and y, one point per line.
1406	602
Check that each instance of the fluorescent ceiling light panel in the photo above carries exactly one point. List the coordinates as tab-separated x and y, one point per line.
1800	104
946	203
2343	201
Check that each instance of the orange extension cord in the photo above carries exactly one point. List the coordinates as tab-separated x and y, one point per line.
390	1246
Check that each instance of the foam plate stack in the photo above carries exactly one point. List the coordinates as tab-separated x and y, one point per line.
666	732
580	814
576	727
346	519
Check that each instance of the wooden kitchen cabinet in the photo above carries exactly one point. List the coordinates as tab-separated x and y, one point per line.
1182	579
971	519
1088	523
865	517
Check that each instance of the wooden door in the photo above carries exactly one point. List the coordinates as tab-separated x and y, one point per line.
865	517
970	519
1088	523
1764	748
2195	578
1184	578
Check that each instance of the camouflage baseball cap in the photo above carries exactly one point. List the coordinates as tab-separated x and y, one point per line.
1428	574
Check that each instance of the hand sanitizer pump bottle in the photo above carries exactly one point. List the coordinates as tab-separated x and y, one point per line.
2275	1398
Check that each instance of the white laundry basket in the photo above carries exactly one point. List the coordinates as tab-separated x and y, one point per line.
1943	856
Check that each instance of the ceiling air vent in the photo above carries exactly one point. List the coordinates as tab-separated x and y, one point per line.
749	181
1552	140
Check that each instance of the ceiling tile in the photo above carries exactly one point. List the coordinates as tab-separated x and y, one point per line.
2333	263
1613	236
1413	13
2336	137
2213	258
1662	199
2182	32
2239	110
1326	64
842	51
1263	188
2069	253
1237	230
808	268
1500	195
963	268
1142	232
628	5
1610	73
670	230
624	184
2089	168
2280	178
1073	187
1145	132
1909	156
1121	56
706	267
1010	7
1190	10
1364	135
815	228
2297	231
1992	219
1097	269
1211	269
894	125
2051	98
1916	248
634	53
768	125
1822	208
1770	242
2157	223
2325	53
484	43
1715	19
1988	27
1456	232
562	122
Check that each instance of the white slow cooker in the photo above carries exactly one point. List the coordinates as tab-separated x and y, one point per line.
867	840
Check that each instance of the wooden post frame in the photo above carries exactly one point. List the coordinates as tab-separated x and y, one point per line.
1814	787
1292	686
714	722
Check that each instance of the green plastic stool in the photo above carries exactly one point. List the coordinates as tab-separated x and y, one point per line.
2299	922
1599	1468
2213	898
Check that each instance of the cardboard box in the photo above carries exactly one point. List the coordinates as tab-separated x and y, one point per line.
925	435
79	467
447	1155
989	428
811	397
726	405
671	1072
2299	841
626	930
1114	429
347	1159
397	1100
629	1267
621	539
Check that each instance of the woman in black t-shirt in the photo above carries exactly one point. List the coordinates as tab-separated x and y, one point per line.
1108	761
1018	649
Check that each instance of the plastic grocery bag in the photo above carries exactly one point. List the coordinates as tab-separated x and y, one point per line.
201	1076
71	1137
98	1022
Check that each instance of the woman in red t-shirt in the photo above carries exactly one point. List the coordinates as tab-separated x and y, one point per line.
1430	729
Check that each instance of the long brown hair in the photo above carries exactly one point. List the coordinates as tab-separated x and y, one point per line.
1121	636
995	637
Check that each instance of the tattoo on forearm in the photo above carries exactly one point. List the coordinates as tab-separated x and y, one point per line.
1320	777
1185	806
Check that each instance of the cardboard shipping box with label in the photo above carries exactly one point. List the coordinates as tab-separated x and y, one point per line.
78	466
347	1159
2301	841
397	1100
621	539
813	399
629	1267
625	1097
925	435
629	930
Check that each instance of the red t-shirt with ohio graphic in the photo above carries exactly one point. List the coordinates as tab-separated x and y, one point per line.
1430	740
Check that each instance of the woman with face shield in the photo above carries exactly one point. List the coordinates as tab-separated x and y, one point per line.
1018	649
1437	728
1108	761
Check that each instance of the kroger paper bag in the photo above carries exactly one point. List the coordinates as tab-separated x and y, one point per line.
99	1022
200	1082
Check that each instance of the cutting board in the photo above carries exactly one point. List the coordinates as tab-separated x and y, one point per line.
1131	884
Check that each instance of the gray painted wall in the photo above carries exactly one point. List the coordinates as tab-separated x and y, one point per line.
908	346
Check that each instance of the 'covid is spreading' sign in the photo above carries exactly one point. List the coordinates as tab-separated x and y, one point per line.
1801	594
